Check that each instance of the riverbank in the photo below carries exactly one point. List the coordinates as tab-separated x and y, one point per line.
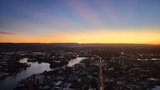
49	79
34	68
10	67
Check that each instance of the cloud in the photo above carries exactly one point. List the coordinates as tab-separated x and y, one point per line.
4	32
86	11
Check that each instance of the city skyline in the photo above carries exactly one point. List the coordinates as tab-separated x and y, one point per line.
80	21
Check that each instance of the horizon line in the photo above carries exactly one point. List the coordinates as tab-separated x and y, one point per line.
73	43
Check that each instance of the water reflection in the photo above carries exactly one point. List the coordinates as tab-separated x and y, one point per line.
10	82
72	62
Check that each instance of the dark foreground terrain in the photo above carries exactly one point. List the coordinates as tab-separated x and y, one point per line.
102	66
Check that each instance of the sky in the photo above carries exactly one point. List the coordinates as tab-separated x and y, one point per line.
80	21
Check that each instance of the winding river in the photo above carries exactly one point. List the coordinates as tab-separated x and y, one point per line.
11	81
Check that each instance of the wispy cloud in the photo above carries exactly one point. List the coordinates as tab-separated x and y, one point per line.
85	11
4	32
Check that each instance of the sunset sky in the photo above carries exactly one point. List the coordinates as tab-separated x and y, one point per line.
80	21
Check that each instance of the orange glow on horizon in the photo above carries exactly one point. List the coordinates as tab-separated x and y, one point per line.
103	36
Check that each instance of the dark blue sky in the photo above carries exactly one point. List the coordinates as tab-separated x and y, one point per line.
42	17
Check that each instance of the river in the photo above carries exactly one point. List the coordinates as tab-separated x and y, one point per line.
11	81
72	62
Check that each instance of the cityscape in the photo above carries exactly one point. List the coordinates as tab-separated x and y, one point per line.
79	67
79	44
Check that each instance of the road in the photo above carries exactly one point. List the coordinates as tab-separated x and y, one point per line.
101	85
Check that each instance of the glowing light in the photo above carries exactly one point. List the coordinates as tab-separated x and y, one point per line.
141	36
